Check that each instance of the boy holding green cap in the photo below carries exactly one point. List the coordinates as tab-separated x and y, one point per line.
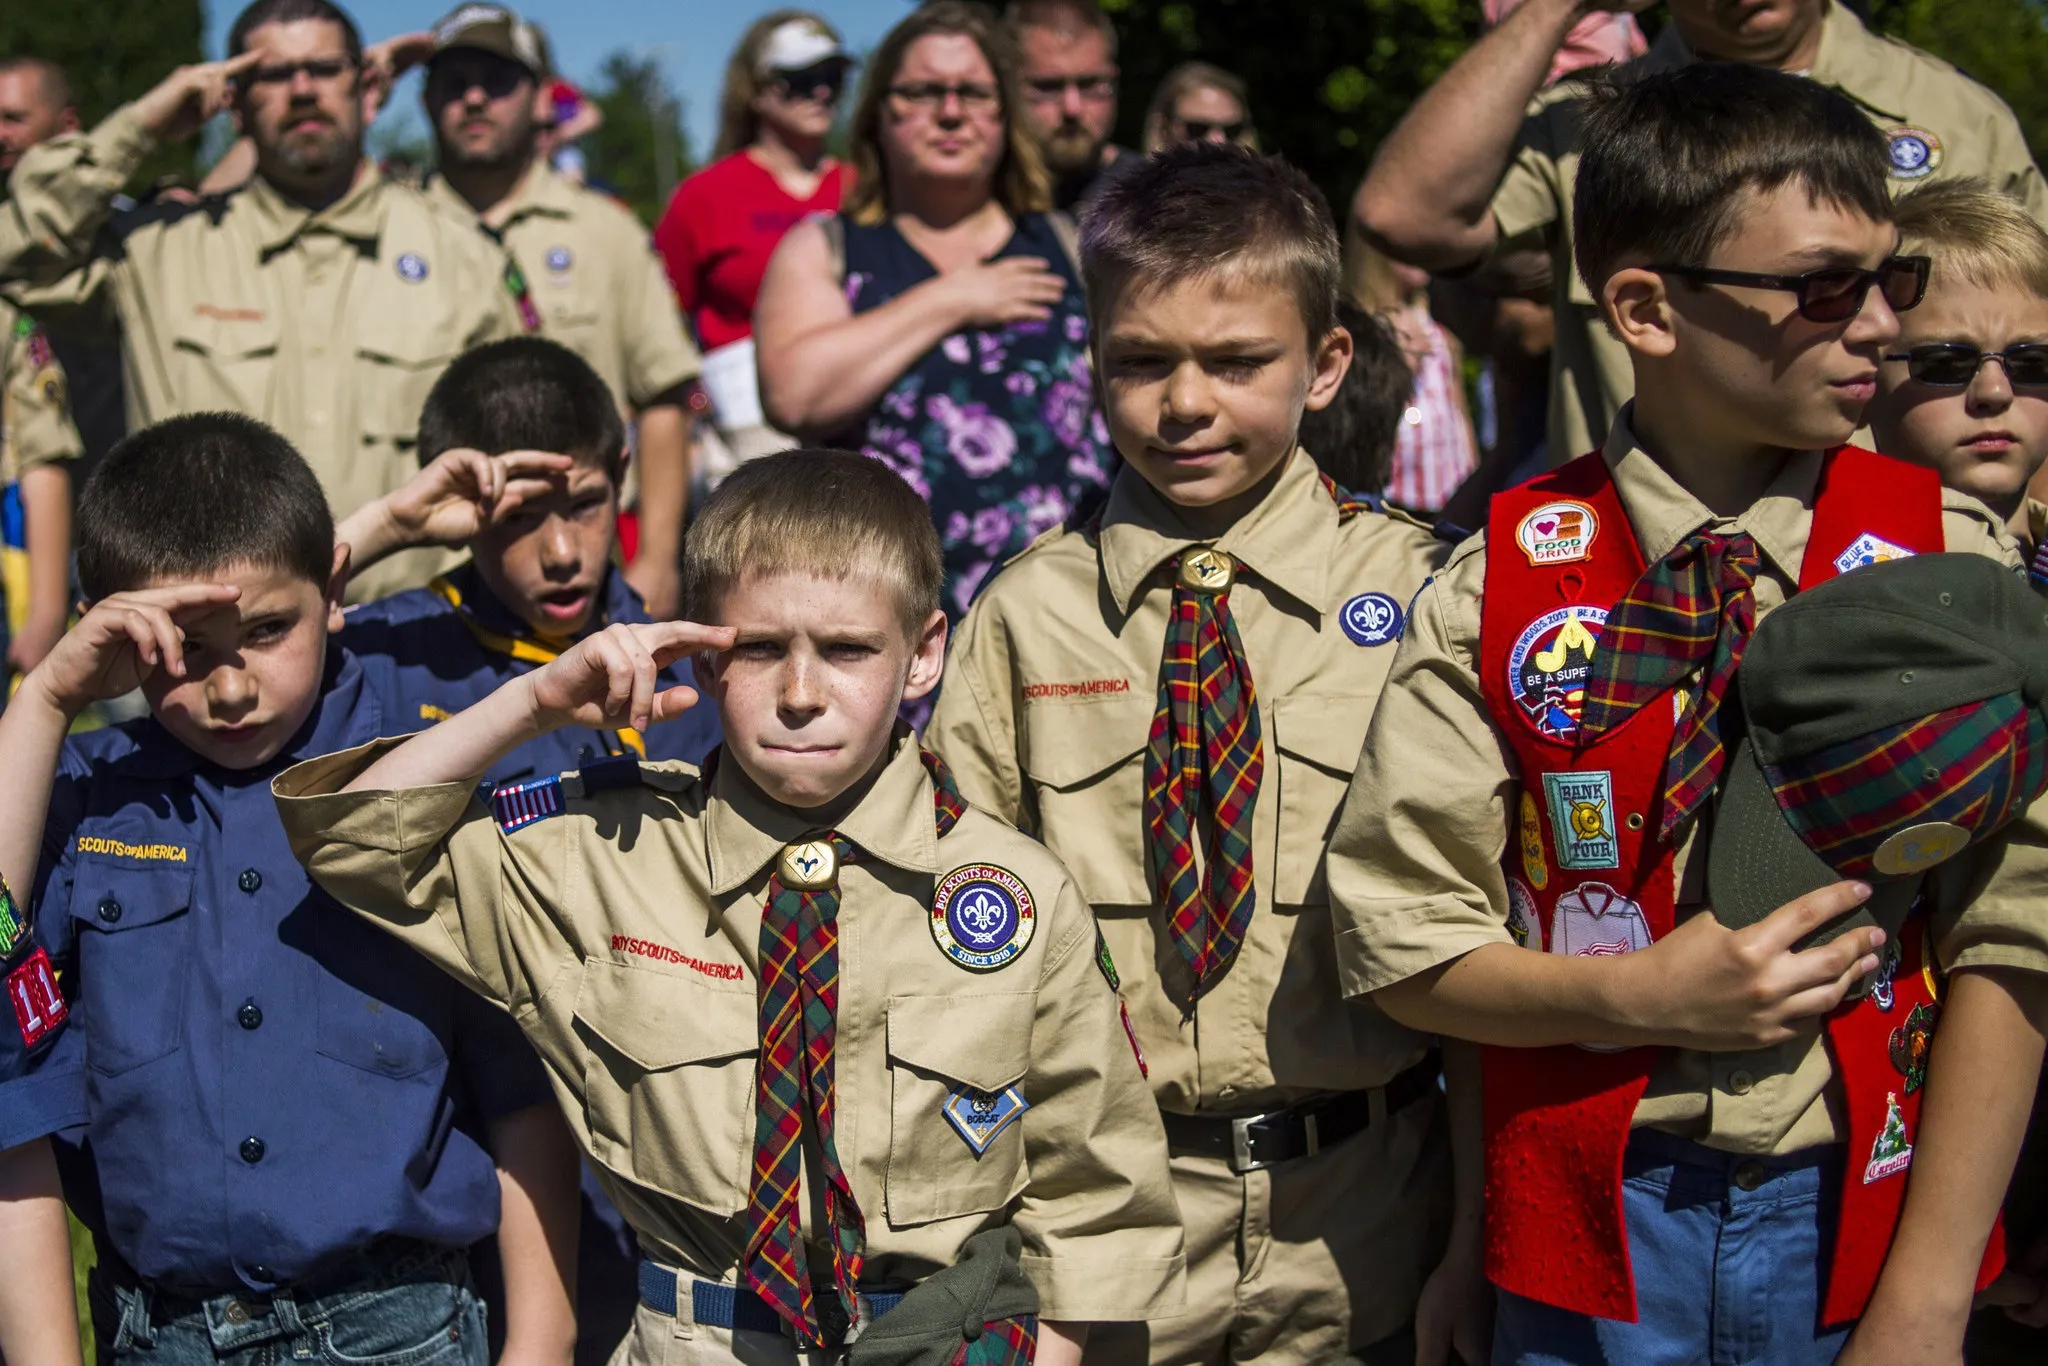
1676	1159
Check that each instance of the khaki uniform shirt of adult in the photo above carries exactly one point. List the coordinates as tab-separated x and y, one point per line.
35	410
623	934
1939	123
1415	863
592	274
1044	717
330	326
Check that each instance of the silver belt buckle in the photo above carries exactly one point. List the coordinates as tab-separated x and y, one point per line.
1241	1160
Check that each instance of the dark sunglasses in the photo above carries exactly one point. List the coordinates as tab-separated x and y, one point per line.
1198	130
1952	365
283	73
456	75
1832	295
828	76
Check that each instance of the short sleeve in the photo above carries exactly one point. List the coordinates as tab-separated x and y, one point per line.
974	726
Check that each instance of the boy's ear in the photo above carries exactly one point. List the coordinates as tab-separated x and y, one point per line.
337	587
927	658
1637	309
1332	361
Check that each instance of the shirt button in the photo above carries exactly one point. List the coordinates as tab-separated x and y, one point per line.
250	1016
109	910
1740	1083
250	880
252	1150
1749	1175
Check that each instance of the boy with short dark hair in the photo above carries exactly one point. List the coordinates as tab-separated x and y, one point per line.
1352	437
830	1034
1675	1157
1169	696
291	1130
540	573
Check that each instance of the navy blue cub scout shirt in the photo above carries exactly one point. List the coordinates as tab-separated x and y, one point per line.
441	648
42	1081
272	1083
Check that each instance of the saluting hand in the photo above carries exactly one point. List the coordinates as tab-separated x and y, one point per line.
611	679
462	491
121	641
183	101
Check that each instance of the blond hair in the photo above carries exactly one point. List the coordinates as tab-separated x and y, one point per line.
1185	79
1022	184
738	124
831	514
1975	234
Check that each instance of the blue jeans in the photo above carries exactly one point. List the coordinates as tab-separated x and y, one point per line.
1730	1256
415	1308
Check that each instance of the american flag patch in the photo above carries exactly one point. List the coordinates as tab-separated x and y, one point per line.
521	804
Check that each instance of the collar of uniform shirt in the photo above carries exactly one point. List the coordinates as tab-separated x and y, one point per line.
1663	513
1851	59
744	831
540	193
346	715
357	215
1289	539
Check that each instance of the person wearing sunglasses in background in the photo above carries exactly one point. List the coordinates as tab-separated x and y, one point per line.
1067	51
768	173
1198	102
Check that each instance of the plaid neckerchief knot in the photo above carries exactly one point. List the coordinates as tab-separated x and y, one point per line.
1202	769
1695	606
799	1010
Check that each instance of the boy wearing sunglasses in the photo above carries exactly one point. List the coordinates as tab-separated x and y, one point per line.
1697	1124
1964	390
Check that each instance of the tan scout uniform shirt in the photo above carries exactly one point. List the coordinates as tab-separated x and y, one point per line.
35	411
1415	863
330	326
1044	718
623	935
1968	130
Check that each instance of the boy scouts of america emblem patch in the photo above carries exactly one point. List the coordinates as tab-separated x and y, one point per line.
982	916
1371	619
1915	152
979	1116
412	267
1557	533
1549	665
1890	1154
1869	549
1910	1043
559	259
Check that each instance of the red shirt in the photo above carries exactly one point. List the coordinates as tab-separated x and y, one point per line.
718	233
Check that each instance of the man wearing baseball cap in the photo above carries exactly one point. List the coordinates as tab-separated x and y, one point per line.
591	279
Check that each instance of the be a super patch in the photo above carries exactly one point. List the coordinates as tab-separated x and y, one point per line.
1582	819
38	1006
412	267
1557	533
1371	619
1914	153
982	916
980	1116
1548	667
1869	548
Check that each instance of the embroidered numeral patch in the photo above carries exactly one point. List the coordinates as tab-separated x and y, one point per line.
979	1116
38	1006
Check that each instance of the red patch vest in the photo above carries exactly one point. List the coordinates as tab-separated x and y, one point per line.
1589	875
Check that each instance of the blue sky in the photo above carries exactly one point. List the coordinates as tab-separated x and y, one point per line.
692	38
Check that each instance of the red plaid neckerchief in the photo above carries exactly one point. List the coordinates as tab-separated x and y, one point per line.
799	1004
1695	606
1005	1342
1202	769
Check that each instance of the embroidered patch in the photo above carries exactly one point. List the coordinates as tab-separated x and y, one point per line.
430	712
1522	915
1107	965
1131	1033
1890	1154
1593	920
1881	990
1915	152
1557	533
154	852
1533	862
12	923
1919	847
1582	819
1910	1043
1869	549
38	1006
412	267
1087	687
979	1116
1371	619
559	259
517	805
662	953
982	917
1549	665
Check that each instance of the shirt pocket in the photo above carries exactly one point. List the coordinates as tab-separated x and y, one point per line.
226	363
939	1048
1085	764
395	369
134	935
382	1008
668	1080
1318	741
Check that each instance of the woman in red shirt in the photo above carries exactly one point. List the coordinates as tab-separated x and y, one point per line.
770	171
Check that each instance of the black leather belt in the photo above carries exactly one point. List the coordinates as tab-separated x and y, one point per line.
1254	1142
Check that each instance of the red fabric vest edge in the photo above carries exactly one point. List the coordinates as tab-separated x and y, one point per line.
1557	1120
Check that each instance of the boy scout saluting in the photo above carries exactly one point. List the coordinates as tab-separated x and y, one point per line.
1199	665
319	297
917	980
1484	161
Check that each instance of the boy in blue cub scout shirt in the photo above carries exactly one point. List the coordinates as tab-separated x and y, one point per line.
539	577
290	1128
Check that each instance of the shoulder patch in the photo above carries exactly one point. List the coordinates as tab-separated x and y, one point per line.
39	1007
982	917
518	805
13	924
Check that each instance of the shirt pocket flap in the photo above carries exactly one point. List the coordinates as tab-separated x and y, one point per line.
112	897
229	335
658	1021
982	1040
1328	732
1064	743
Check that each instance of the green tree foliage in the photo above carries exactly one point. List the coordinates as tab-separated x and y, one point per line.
641	153
113	50
2002	43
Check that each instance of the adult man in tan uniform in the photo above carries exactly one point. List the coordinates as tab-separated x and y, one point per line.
1483	164
318	297
589	266
38	442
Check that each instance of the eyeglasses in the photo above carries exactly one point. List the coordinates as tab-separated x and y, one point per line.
821	81
283	73
455	75
1832	295
1202	130
1047	89
1952	365
931	96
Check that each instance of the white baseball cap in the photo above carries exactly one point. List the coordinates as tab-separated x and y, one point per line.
798	44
